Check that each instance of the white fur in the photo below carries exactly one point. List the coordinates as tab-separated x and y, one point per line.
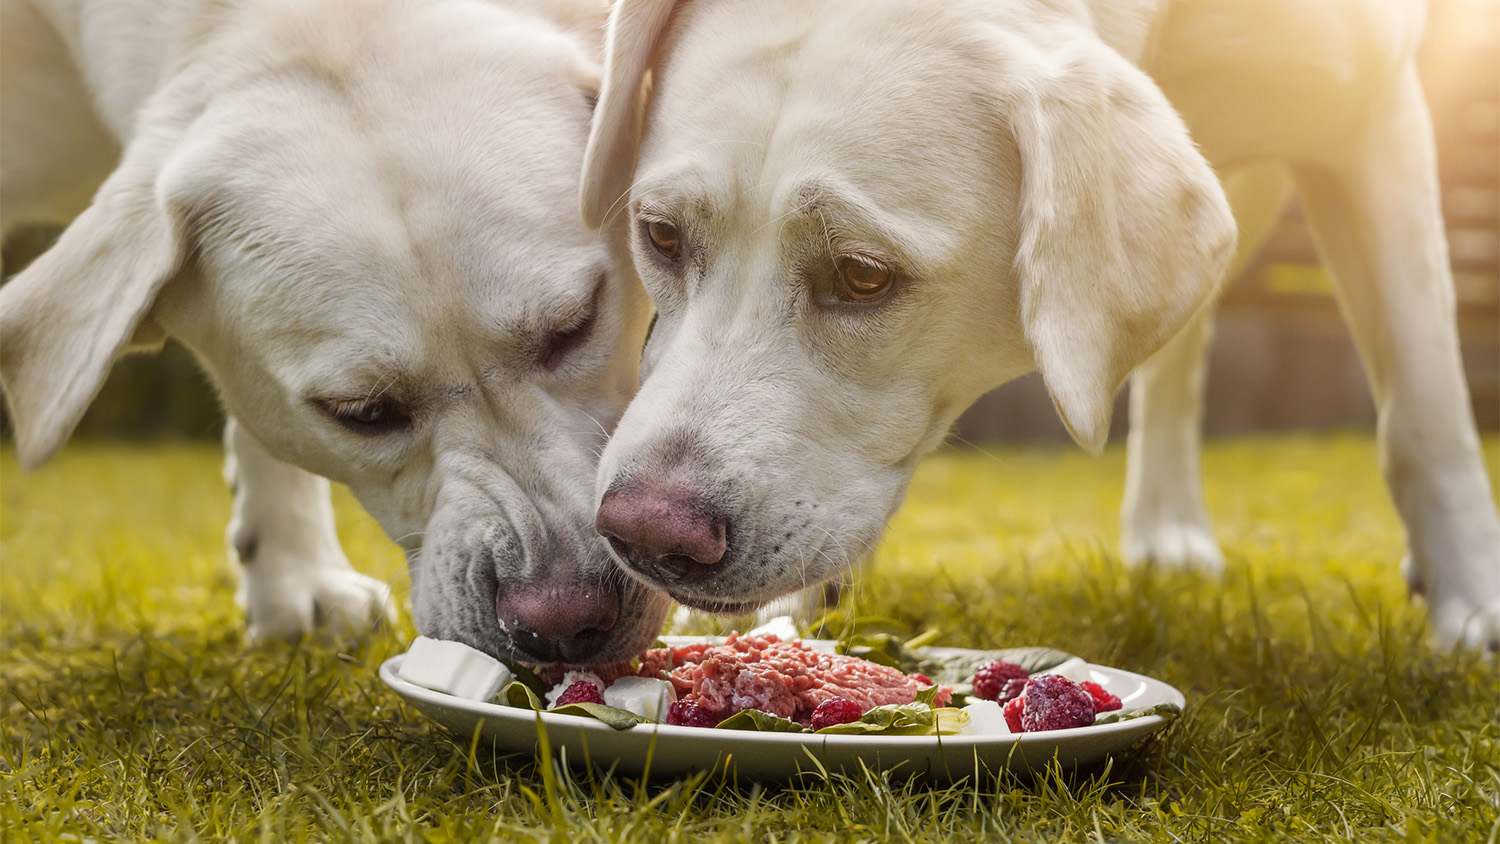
1048	173
338	199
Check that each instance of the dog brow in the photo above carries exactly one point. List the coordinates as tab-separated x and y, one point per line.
846	223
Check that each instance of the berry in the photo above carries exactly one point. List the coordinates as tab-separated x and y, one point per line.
1012	713
1011	690
1054	703
684	713
991	678
582	691
835	710
1103	701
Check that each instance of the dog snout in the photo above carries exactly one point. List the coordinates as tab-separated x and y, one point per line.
666	530
567	621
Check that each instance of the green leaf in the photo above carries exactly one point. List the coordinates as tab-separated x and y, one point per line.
1165	710
755	721
620	719
928	696
527	676
906	719
520	695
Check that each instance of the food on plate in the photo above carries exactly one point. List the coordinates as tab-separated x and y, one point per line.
990	679
864	685
684	713
454	668
644	696
786	679
582	691
1012	690
1103	700
835	711
1053	702
986	719
554	697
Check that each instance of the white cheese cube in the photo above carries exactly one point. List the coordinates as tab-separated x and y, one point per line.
645	696
454	668
1074	669
569	679
986	718
782	625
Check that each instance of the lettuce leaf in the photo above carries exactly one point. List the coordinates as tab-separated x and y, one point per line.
520	695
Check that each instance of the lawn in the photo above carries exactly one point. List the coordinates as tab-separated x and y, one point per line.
131	709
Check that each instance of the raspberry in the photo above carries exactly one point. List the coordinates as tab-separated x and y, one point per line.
835	710
991	677
1012	713
582	691
1054	703
1103	701
1011	690
684	713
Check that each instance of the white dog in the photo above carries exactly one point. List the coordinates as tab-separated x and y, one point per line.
360	216
856	216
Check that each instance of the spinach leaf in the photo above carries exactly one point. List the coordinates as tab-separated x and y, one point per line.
753	720
520	695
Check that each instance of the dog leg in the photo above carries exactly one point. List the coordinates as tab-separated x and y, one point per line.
1163	518
294	575
1376	215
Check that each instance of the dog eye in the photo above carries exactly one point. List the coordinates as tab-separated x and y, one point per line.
368	416
559	343
863	281
665	238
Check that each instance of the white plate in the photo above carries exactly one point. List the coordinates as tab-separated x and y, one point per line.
667	751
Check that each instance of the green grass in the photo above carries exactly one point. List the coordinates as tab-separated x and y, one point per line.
131	709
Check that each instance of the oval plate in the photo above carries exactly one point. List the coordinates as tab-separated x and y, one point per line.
660	750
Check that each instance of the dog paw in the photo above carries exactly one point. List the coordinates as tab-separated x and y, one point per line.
1463	624
337	599
1176	545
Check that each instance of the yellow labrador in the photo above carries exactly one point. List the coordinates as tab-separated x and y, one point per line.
856	216
360	216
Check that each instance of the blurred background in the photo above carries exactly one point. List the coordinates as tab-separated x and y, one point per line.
1281	357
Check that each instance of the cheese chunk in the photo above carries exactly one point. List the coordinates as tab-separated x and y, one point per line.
453	668
782	626
986	718
645	696
1074	669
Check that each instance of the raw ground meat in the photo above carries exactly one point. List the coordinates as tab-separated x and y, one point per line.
786	679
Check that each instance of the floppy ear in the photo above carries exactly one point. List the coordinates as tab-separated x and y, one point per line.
1125	230
65	319
632	46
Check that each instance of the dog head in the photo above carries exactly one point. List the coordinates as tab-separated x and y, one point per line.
371	245
854	219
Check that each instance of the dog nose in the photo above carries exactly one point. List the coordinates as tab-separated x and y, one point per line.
568	621
661	529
